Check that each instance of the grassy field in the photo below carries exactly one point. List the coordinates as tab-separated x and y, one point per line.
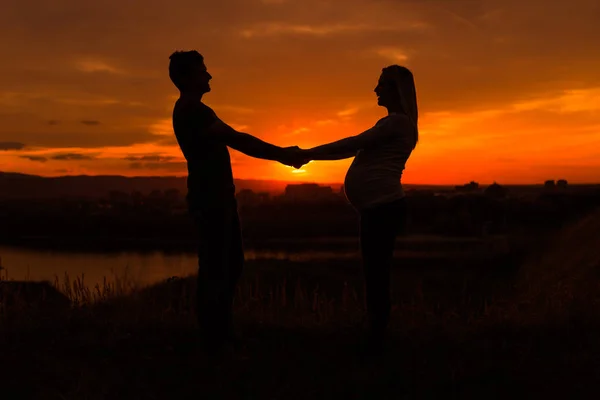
487	333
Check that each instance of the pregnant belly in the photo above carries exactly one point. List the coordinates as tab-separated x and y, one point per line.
365	187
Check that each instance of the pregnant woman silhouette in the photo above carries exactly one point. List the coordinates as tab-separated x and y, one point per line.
373	186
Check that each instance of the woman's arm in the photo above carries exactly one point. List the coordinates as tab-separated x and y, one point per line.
338	150
348	147
316	154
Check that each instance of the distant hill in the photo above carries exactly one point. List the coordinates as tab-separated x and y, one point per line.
16	185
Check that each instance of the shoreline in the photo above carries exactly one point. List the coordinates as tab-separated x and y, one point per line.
319	255
188	245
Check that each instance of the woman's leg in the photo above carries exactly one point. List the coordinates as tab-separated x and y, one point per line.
378	230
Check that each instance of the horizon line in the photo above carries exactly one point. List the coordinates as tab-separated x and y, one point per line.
300	182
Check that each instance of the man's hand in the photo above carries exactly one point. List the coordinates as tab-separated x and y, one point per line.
294	156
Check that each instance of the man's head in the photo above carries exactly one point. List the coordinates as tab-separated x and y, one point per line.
188	72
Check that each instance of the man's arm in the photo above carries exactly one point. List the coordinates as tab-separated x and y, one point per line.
254	147
245	143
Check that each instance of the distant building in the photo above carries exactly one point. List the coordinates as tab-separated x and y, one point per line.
248	197
309	192
562	184
469	187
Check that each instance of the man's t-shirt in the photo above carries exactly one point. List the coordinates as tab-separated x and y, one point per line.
210	179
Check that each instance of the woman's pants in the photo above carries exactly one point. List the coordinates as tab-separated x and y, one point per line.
379	227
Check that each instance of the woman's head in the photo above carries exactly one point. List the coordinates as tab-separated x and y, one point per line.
396	91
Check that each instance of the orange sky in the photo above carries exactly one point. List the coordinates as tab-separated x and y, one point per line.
508	91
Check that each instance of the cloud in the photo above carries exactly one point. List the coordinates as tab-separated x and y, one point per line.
34	158
566	101
176	166
72	157
347	112
167	141
90	122
150	157
88	102
92	66
325	122
300	130
392	54
163	127
239	127
156	162
279	28
53	137
11	146
234	109
53	122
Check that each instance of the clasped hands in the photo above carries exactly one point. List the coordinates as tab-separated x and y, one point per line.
295	156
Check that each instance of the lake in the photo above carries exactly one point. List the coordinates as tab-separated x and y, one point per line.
143	267
147	267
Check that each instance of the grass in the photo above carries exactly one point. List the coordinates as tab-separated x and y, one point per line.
486	335
121	341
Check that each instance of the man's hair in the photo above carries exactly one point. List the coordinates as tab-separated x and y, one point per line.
182	64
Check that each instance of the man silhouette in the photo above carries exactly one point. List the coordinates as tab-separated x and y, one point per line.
203	139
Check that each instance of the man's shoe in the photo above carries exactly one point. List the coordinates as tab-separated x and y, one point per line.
371	349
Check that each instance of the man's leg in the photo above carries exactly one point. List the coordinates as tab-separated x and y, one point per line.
214	228
236	266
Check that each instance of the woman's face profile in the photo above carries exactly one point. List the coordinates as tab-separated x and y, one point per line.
386	91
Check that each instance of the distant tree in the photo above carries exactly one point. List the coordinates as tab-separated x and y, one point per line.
172	196
117	196
156	194
137	197
562	183
495	190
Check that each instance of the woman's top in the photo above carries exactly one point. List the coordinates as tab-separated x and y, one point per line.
374	176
